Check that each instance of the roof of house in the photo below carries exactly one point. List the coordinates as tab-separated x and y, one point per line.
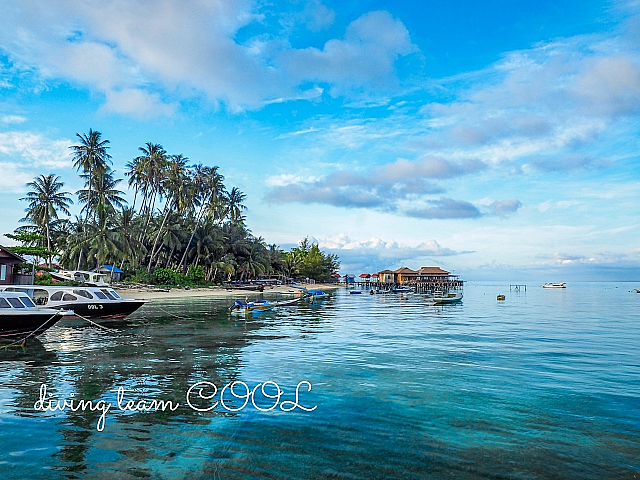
112	268
383	272
5	252
365	275
405	271
432	271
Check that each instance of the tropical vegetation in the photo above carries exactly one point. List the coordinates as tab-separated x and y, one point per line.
184	226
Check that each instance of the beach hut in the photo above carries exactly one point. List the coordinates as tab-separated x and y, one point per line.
8	261
365	277
112	272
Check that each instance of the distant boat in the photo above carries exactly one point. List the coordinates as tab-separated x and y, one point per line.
19	316
355	292
452	297
90	279
379	291
402	290
241	308
554	285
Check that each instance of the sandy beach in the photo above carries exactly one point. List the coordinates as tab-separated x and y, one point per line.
152	292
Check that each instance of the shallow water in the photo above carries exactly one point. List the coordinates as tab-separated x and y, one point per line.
545	384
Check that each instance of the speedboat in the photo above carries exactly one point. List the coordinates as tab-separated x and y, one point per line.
554	285
90	279
20	316
244	308
450	297
84	301
402	290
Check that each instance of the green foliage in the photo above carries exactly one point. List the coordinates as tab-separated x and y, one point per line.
196	274
164	276
44	279
311	262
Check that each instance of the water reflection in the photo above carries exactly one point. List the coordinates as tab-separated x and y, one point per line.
404	389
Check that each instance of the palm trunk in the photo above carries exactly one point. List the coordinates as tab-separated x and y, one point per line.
155	243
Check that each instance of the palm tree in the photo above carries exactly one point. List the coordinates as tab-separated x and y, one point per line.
91	155
149	173
44	202
234	205
102	197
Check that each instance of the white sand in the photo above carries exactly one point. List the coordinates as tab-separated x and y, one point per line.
150	293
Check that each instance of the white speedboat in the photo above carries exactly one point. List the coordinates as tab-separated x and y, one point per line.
554	285
449	297
84	301
20	316
90	279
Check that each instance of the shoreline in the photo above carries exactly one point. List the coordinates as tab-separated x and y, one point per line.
155	293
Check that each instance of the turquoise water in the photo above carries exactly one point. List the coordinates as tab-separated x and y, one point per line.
545	384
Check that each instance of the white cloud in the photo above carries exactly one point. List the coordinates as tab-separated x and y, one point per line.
189	49
29	150
13	179
10	119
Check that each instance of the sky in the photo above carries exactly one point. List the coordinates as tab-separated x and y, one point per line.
498	140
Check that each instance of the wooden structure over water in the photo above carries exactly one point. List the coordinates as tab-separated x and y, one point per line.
423	280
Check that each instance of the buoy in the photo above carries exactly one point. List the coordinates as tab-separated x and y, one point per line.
501	297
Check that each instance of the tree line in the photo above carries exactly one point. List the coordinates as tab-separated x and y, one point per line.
184	222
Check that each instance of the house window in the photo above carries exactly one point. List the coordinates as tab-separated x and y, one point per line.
3	272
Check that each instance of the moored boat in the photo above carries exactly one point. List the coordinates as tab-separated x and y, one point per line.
449	297
84	301
316	294
244	308
19	316
402	290
90	279
554	285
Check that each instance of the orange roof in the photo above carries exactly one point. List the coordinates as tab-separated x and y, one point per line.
364	275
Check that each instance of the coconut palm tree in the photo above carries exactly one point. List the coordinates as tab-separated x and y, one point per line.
102	197
91	155
45	200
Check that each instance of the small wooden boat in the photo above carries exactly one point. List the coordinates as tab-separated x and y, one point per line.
500	297
241	308
554	285
451	297
316	294
355	292
19	316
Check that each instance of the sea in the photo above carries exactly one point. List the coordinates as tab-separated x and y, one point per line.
542	385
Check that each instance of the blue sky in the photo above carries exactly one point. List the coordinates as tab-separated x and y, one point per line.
497	139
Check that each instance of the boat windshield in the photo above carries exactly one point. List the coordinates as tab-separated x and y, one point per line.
83	293
27	301
106	292
15	302
4	303
100	295
114	293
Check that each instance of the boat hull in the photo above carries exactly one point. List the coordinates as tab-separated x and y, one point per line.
22	324
103	309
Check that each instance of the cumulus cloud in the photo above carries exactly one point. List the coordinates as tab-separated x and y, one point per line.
149	52
34	150
384	188
504	207
375	254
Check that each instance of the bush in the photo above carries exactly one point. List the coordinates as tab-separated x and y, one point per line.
196	274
